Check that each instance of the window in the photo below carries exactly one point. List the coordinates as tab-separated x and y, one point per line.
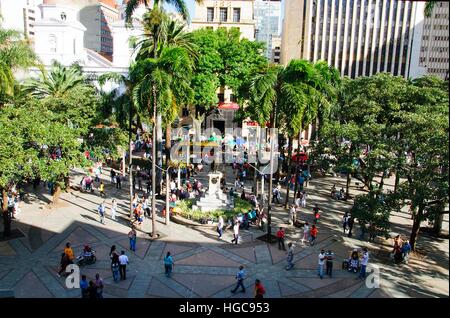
233	98
74	46
52	43
223	14
210	14
236	14
221	97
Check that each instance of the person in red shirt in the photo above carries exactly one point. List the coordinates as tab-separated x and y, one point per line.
313	234
259	289
280	236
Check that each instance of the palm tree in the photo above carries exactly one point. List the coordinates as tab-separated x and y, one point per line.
163	87
57	83
180	7
15	53
429	6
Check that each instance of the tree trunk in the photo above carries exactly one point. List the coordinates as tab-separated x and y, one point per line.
67	183
347	189
380	188
289	172
6	215
437	228
154	235
56	194
297	164
159	156
397	180
130	160
416	228
168	145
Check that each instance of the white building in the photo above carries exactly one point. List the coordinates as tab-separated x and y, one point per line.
267	15
358	37
434	48
229	13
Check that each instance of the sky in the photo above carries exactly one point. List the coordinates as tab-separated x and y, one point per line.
190	5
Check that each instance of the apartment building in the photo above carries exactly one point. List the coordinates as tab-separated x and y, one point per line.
358	37
225	13
434	48
19	15
267	14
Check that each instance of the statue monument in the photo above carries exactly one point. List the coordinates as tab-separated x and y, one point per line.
214	198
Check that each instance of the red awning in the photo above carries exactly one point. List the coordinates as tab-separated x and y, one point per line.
301	157
233	106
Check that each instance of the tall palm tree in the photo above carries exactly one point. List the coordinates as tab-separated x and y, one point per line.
15	53
57	83
429	6
163	87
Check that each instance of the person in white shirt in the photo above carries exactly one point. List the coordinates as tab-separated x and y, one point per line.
364	262
123	262
113	209
305	233
235	232
321	263
220	226
292	214
303	199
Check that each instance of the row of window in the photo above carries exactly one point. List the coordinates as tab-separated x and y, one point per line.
441	38
106	32
105	48
440	27
439	59
437	70
223	14
106	40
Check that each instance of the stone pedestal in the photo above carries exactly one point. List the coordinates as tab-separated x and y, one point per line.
214	198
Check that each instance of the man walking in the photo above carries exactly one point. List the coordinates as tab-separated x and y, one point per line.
240	276
132	237
313	234
290	256
84	287
235	232
118	182
259	289
280	236
329	256
123	262
101	189
168	264
220	226
99	285
113	176
321	263
101	212
351	221
345	221
305	233
364	262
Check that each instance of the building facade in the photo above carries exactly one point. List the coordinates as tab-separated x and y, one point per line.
358	37
267	15
434	48
276	50
225	13
19	15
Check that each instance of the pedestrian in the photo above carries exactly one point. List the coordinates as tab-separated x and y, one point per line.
406	249
101	212
329	256
101	189
123	262
140	182
240	276
313	234
84	287
220	226
63	263
316	211
364	262
118	182
114	256
303	199
280	237
345	220
113	176
69	252
298	199
321	263
132	237
290	256
97	174
276	195
113	209
305	233
99	285
292	214
351	221
168	264
235	232
259	289
92	290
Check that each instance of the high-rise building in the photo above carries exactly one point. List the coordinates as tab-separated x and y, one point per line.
267	15
358	37
275	50
225	13
434	48
19	15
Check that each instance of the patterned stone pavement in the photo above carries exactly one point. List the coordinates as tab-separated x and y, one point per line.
204	265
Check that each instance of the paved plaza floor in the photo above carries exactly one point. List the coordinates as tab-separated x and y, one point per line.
204	265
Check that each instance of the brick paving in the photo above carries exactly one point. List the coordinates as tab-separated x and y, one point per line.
204	265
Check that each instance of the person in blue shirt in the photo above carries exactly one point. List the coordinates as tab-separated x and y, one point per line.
84	287
240	276
406	249
168	264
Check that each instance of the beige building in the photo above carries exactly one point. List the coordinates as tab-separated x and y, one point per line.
434	49
225	13
358	37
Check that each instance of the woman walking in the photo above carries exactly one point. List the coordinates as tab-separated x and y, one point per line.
168	264
113	209
114	255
